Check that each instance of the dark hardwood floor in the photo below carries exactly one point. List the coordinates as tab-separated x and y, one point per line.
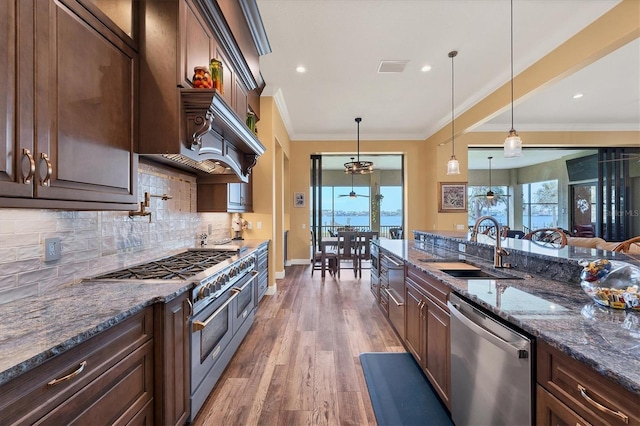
299	363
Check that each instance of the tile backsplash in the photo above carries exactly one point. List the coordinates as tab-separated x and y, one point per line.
94	242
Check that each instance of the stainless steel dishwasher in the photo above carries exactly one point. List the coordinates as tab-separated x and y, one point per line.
491	369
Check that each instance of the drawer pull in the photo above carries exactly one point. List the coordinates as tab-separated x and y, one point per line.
68	376
583	392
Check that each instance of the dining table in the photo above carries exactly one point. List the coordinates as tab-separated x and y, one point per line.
327	243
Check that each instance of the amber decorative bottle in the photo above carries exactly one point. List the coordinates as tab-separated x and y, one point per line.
215	68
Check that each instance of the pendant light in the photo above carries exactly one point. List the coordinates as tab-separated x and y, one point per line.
358	167
490	193
453	166
513	143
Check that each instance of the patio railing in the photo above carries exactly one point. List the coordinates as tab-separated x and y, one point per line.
385	231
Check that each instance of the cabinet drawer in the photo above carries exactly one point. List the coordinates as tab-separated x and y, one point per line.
437	291
29	397
586	392
551	412
115	397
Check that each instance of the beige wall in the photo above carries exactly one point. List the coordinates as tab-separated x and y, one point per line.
270	180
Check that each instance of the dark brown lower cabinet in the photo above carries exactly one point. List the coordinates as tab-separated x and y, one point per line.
172	361
415	323
427	329
438	360
573	393
109	379
134	373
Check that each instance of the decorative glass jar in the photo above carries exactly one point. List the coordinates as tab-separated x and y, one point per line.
202	78
215	68
251	121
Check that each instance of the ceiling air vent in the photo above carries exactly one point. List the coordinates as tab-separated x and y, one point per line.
392	66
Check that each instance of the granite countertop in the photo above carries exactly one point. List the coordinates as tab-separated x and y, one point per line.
557	312
35	330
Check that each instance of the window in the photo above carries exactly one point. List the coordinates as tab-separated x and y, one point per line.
480	205
378	201
540	205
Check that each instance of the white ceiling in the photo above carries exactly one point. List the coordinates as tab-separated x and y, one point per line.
341	43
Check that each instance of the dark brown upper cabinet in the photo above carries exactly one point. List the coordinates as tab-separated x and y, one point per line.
70	114
200	130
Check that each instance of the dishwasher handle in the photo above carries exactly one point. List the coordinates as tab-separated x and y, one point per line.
487	335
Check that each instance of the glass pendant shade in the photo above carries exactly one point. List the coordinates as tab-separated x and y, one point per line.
453	166
512	145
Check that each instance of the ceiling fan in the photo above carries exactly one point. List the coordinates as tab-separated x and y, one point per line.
352	194
490	194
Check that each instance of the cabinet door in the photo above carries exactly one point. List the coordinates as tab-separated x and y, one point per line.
241	103
175	382
239	197
84	107
234	196
16	95
438	359
415	324
198	42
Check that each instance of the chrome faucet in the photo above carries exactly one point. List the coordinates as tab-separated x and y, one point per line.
498	252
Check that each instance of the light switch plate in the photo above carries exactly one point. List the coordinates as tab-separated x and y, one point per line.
52	249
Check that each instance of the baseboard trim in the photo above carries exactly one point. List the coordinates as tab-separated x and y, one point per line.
272	289
298	262
279	275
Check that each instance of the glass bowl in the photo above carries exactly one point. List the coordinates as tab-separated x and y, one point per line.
611	283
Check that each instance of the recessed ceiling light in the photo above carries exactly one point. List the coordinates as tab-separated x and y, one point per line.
578	96
426	68
301	69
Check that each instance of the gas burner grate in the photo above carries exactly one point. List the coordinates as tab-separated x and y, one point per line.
180	266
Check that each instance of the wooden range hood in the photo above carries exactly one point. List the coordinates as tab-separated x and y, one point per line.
201	130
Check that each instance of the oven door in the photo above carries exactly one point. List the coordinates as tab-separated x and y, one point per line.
211	332
245	301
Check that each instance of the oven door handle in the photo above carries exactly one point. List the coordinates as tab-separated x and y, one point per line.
201	325
241	289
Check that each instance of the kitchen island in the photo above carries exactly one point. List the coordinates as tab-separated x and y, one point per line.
556	312
37	332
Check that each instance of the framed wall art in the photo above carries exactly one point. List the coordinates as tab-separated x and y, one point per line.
452	197
298	199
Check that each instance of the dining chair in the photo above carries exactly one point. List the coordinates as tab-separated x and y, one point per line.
348	251
364	248
316	257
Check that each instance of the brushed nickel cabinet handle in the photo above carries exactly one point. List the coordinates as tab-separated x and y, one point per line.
32	166
619	414
46	181
68	376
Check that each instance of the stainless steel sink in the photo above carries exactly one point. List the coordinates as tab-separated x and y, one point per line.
478	274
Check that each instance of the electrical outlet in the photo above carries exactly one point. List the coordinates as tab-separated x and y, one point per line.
462	248
259	225
249	225
52	249
304	226
209	228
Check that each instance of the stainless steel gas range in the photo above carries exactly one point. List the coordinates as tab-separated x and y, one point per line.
224	298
